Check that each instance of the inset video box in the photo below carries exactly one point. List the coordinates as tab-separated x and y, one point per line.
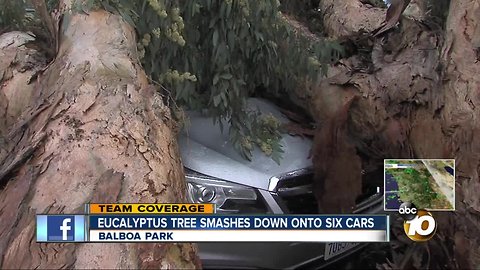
427	183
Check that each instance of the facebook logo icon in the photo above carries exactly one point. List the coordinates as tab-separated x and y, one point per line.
60	228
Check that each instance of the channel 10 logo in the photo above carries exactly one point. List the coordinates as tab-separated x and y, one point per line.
419	225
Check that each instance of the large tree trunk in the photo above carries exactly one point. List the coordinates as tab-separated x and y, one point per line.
461	116
93	131
381	91
412	93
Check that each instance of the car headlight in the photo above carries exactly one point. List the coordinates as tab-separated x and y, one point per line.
227	196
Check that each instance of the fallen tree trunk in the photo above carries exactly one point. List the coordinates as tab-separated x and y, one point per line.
416	99
461	125
412	93
365	108
93	131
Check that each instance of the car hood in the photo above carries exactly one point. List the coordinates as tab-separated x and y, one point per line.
205	149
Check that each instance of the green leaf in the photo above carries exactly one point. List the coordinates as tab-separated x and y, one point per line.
222	10
224	98
216	100
220	123
127	18
215	38
212	22
229	10
226	76
108	7
215	79
276	158
231	40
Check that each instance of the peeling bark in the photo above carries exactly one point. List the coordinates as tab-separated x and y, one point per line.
415	94
19	66
398	78
102	135
461	123
344	18
331	152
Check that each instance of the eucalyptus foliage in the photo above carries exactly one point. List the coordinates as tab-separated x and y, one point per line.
12	15
212	54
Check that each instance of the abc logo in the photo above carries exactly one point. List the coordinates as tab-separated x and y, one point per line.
419	225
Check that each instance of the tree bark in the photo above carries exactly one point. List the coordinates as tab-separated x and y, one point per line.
461	124
412	93
379	91
345	18
93	131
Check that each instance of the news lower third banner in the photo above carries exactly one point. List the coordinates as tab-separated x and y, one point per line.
161	226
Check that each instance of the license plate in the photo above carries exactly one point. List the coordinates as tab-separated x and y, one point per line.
335	249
